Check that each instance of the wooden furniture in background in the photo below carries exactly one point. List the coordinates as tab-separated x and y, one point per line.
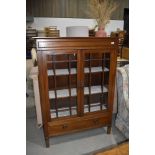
124	59
76	82
121	37
51	31
125	53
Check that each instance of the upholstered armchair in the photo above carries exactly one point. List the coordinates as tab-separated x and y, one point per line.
122	117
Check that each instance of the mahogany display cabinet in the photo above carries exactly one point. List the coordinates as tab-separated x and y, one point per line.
76	83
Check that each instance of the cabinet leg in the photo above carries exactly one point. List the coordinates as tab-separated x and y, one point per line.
108	129
47	142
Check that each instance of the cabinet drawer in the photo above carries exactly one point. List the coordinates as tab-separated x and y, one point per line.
73	126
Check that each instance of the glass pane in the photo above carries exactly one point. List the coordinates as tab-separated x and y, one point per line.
62	82
96	79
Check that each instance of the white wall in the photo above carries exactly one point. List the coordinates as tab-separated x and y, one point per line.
62	23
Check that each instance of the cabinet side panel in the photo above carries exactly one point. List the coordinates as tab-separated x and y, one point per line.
44	109
113	63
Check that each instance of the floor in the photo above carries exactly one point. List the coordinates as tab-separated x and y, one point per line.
122	149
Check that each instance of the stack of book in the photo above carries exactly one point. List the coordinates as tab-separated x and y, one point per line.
31	32
51	31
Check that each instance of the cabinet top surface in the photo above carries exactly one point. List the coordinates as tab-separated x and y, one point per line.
81	38
44	43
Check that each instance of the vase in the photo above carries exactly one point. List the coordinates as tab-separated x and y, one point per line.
101	32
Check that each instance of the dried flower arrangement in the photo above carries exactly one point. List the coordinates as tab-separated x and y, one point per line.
101	10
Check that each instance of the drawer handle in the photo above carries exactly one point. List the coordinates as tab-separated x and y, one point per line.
96	121
64	126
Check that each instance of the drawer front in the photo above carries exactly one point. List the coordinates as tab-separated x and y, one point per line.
71	126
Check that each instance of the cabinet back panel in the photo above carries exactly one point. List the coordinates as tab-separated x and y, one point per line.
63	102
96	79
61	65
64	82
62	57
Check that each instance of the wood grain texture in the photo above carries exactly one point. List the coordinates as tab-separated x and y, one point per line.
122	149
125	53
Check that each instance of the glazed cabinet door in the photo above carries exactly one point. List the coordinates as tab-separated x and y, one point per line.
98	79
61	67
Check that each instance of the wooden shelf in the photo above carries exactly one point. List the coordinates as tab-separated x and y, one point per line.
62	112
65	92
74	71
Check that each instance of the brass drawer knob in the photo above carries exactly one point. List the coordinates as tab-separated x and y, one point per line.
64	126
96	121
